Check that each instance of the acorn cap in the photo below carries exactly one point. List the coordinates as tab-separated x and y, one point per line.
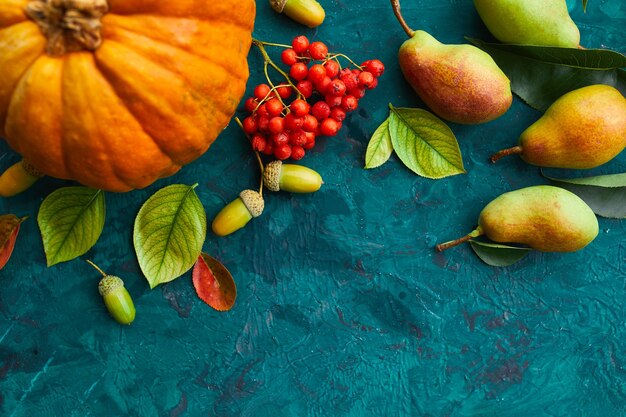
109	284
253	202
278	5
271	175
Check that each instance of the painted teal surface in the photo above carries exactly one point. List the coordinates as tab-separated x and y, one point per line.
344	309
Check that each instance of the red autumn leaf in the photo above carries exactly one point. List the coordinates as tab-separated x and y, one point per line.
213	283
9	228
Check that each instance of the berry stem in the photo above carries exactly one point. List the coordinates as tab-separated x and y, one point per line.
515	150
268	61
280	45
335	56
396	10
475	233
96	267
256	154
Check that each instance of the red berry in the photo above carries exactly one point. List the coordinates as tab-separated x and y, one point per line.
261	91
282	152
316	73
336	87
292	122
374	66
250	125
261	111
333	100
318	50
332	68
338	114
263	123
297	152
358	92
366	79
299	107
322	86
289	57
349	103
344	72
297	138
258	142
310	140
329	127
250	104
321	110
300	44
274	107
279	138
276	124
284	90
310	122
305	88
269	148
298	71
374	84
350	80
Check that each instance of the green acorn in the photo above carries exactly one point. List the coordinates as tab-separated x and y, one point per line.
116	297
306	12
291	178
238	213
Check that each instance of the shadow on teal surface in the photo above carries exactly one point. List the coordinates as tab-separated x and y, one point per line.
344	309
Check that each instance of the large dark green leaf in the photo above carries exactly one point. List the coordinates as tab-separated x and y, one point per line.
540	75
495	254
605	194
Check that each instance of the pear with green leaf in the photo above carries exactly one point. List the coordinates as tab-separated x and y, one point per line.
583	129
543	217
529	22
460	83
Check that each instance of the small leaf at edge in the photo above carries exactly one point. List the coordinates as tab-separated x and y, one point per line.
495	254
379	148
9	229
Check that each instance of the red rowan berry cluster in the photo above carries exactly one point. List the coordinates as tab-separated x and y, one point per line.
286	118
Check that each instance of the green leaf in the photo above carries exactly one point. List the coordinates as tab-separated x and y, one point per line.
170	229
495	254
585	5
424	143
380	147
605	194
71	220
540	75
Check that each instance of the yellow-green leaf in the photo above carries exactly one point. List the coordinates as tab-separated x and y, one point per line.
424	143
170	229
71	220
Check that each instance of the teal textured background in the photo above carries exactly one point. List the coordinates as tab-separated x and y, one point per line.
344	308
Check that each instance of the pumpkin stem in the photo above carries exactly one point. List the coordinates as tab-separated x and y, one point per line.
69	25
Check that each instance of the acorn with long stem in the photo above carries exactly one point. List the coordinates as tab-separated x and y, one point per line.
116	298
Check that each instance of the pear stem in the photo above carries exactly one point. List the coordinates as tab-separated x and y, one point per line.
475	233
396	10
515	150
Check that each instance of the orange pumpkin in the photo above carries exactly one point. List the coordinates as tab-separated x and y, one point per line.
117	94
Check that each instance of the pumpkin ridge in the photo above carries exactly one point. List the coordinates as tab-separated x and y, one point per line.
206	98
233	72
123	179
162	105
11	89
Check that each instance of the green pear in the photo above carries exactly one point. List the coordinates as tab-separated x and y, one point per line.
543	217
529	22
583	129
459	83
